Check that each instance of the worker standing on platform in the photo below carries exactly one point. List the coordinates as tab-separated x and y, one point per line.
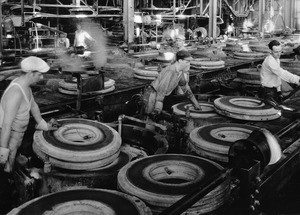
63	41
171	77
81	38
16	104
271	74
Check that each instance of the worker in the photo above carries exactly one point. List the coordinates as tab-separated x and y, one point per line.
8	24
16	104
171	77
271	74
81	38
63	41
180	39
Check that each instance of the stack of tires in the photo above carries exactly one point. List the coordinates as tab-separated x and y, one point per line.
161	180
245	108
78	144
213	141
86	153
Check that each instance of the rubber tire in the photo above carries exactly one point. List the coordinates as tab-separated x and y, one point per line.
74	92
103	146
138	178
144	77
249	108
148	71
207	63
91	165
212	138
207	67
207	111
119	202
202	30
250	54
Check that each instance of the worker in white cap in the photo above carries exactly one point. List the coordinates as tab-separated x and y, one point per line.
180	40
16	104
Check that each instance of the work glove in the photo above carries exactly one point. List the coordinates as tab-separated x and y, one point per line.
50	126
4	153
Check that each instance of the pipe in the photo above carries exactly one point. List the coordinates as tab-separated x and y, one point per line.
190	199
288	128
121	117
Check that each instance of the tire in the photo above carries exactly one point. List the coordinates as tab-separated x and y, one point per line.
148	179
148	71
202	30
260	48
144	77
217	138
209	155
91	165
250	54
207	67
207	63
84	201
245	108
207	110
100	141
74	92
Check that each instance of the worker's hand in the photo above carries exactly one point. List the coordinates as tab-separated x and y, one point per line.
53	125
50	126
197	107
154	115
4	153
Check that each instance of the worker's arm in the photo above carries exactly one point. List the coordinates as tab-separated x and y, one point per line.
41	123
282	73
75	39
188	92
67	43
88	36
10	108
35	111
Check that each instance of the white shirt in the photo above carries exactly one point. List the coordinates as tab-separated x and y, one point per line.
80	37
271	74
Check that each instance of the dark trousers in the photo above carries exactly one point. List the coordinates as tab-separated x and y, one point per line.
268	93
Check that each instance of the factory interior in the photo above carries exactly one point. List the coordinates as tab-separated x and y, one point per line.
92	90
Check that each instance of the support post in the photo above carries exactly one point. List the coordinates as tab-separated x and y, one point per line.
260	15
1	39
212	25
128	20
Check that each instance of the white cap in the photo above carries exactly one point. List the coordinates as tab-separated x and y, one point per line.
32	63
